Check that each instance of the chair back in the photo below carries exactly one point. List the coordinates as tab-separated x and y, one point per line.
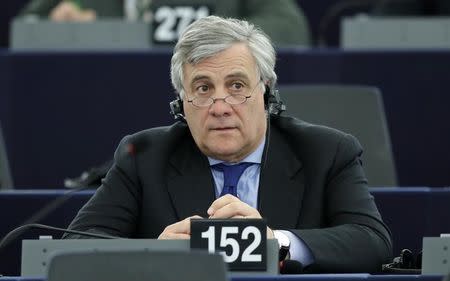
357	110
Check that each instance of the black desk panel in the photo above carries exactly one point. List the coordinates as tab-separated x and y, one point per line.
65	112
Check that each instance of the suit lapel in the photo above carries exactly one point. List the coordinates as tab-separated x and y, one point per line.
281	184
190	183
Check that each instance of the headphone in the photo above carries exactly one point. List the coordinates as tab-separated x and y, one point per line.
406	263
272	103
176	109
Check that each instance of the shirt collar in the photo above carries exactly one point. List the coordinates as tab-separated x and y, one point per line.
254	157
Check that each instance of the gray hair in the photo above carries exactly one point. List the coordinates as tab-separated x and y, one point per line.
211	35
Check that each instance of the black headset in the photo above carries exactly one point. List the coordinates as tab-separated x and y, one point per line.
406	263
272	102
176	108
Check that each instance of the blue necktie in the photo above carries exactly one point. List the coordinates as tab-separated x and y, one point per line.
231	175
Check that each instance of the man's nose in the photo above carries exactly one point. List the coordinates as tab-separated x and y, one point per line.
220	106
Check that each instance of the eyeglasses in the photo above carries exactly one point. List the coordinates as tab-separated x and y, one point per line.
231	99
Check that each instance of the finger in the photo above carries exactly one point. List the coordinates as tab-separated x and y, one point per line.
184	226
75	15
173	236
87	15
188	219
64	11
194	217
181	227
238	217
233	209
270	234
57	15
220	202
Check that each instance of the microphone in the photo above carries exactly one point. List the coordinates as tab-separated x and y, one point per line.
53	205
131	149
92	177
12	235
42	213
138	145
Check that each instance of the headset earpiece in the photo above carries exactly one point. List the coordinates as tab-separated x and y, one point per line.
176	109
272	102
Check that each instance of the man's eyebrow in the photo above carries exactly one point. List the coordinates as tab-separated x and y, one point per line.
234	75
239	74
199	77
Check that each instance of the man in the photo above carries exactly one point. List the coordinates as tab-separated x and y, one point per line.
283	20
305	180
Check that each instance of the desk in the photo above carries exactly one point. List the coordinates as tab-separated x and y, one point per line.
410	213
65	112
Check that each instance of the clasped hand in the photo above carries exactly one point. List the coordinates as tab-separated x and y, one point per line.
69	11
225	207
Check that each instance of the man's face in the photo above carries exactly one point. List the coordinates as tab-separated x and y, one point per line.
223	131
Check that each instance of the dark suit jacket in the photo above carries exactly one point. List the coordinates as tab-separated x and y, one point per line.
312	183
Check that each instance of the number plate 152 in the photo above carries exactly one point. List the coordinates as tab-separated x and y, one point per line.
242	242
